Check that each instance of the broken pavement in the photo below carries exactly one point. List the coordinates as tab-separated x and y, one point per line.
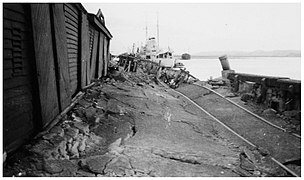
133	127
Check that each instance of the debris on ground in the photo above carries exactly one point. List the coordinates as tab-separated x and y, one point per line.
127	124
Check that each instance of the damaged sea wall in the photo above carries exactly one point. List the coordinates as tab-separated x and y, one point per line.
51	52
279	93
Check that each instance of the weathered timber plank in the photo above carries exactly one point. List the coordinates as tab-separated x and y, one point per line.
7	53
71	28
71	16
72	56
100	55
73	75
72	33
11	23
17	91
16	7
7	74
71	10
72	37
7	34
15	82
73	60
105	53
7	64
17	105
73	51
73	69
72	46
62	59
44	56
74	85
15	137
12	15
94	55
84	49
72	23
72	64
73	42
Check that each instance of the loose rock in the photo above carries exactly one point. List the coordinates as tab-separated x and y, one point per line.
57	130
53	166
246	97
269	112
82	145
90	113
115	147
118	166
83	127
72	132
96	164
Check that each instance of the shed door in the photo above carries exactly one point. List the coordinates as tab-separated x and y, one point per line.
72	30
19	87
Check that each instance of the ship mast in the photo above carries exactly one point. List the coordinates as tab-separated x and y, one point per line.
157	32
146	33
146	30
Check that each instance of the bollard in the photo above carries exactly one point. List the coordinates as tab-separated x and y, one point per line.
224	62
226	67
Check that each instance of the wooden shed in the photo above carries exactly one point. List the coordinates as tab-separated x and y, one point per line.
50	52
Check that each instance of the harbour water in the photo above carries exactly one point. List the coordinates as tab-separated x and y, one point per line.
204	68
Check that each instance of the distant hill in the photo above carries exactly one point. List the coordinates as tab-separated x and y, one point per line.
258	53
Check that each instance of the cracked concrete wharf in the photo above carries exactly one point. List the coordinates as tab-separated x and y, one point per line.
133	127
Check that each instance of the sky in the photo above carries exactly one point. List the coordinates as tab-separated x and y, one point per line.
199	27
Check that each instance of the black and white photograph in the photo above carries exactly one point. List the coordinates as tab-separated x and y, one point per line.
151	89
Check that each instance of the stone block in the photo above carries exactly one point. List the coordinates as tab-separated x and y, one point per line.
43	148
57	141
96	139
246	97
84	103
269	112
53	166
48	136
225	73
82	173
72	132
102	103
69	168
116	107
57	130
82	145
90	113
115	147
97	164
246	87
83	127
74	149
118	166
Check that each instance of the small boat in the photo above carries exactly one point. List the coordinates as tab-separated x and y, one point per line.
186	56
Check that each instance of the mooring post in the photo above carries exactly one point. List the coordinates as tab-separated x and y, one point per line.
226	67
236	83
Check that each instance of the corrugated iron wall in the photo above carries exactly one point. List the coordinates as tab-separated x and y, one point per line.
51	51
